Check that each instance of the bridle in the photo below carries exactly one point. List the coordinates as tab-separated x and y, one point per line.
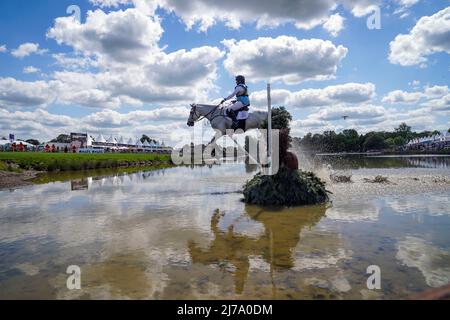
199	117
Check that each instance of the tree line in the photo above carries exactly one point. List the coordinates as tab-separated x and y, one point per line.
351	141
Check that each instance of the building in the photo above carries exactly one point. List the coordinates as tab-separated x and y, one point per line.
6	145
435	142
120	144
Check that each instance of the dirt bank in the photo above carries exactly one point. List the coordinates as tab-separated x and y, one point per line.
11	180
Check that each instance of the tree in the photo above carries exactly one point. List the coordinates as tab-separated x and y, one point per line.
404	130
329	141
146	138
34	142
307	141
436	132
390	142
350	138
374	141
62	138
399	141
280	119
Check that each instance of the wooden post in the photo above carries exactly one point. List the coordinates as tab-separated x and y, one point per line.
269	129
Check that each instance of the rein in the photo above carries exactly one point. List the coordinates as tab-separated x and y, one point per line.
194	110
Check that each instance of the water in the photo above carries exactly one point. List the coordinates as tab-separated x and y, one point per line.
184	233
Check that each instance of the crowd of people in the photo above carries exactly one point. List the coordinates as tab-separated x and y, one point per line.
56	149
49	148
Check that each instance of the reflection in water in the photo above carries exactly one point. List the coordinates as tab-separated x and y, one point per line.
164	234
357	210
281	235
436	206
433	263
80	184
357	162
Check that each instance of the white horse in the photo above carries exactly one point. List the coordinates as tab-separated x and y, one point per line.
219	120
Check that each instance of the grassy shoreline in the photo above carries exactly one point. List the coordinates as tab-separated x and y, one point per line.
51	162
22	169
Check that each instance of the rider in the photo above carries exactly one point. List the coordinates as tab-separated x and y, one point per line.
239	110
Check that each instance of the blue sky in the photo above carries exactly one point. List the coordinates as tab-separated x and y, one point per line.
322	60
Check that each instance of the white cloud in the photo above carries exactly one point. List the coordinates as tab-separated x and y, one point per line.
285	58
364	112
436	91
30	69
348	93
132	68
110	118
335	24
27	49
37	115
403	97
84	89
15	93
182	67
415	84
109	3
3	49
407	3
439	104
399	96
40	124
361	8
74	62
404	5
147	7
125	37
304	14
430	35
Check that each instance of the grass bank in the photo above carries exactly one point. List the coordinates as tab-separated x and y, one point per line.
73	162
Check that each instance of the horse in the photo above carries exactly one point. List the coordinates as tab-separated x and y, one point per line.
220	121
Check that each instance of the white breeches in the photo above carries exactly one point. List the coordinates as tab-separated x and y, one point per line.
243	115
238	105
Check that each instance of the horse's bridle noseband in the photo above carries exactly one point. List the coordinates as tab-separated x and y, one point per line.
193	112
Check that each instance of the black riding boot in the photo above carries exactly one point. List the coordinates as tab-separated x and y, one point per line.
233	115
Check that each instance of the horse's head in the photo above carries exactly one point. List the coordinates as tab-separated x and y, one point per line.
193	115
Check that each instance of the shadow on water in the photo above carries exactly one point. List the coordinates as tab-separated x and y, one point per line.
282	232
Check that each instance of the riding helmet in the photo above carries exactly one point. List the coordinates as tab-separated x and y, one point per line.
240	79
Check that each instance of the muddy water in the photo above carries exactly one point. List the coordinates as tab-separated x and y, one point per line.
183	233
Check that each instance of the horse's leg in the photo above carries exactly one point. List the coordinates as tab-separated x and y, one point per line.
219	132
